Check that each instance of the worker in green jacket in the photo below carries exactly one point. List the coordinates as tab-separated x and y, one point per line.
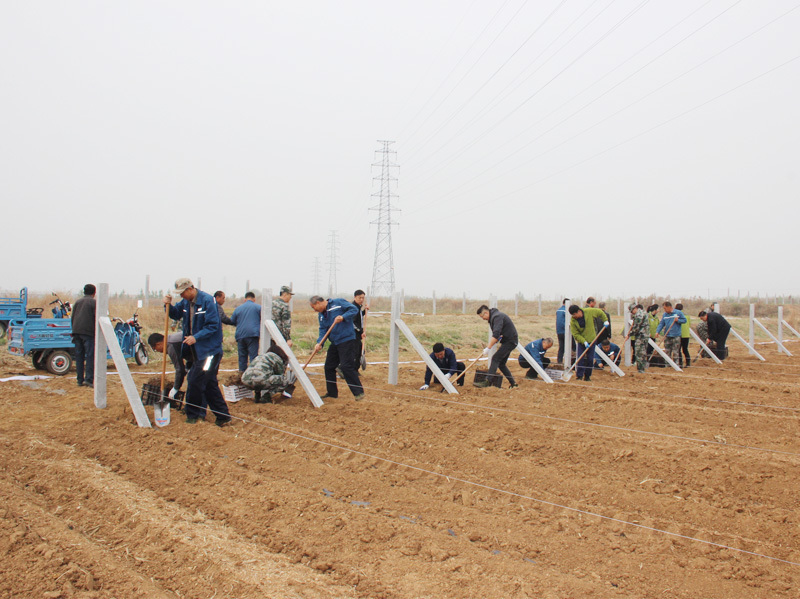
652	315
685	336
584	326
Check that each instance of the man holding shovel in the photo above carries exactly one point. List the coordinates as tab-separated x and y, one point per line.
202	341
670	327
336	323
505	333
582	327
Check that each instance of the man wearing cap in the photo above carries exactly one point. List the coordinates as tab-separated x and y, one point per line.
83	317
282	315
342	337
202	340
640	330
247	319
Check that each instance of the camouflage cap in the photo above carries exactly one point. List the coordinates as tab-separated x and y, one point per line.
182	285
286	289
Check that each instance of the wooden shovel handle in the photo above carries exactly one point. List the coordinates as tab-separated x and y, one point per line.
314	353
164	351
466	370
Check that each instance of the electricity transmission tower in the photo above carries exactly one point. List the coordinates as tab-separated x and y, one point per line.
333	263
383	268
317	277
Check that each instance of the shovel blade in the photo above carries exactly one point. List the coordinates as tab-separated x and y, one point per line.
363	362
161	413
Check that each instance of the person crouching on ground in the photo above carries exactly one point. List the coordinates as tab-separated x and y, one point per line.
582	327
267	375
445	359
537	349
174	342
609	349
343	344
504	332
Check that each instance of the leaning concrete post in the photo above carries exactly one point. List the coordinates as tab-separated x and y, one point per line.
394	340
266	314
780	326
567	336
627	330
100	348
752	329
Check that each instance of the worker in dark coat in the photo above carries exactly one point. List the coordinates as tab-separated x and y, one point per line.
505	333
83	323
718	329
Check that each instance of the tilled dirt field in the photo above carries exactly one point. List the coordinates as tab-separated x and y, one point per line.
662	485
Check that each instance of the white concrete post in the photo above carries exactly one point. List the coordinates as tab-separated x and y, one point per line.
625	331
270	329
780	325
663	354
434	302
716	308
567	336
100	348
394	340
534	364
752	330
266	314
744	342
781	347
402	300
437	372
540	304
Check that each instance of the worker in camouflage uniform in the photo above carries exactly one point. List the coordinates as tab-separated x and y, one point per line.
282	315
640	328
267	375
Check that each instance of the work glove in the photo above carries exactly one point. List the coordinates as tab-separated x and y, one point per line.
448	375
586	344
172	393
485	351
424	387
606	324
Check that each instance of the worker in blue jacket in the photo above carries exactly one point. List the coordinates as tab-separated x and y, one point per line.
561	322
537	349
343	343
247	319
670	327
445	359
609	349
202	343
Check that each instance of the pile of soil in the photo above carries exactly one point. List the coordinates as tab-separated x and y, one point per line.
600	489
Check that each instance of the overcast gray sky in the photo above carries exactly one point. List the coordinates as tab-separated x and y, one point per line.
545	146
